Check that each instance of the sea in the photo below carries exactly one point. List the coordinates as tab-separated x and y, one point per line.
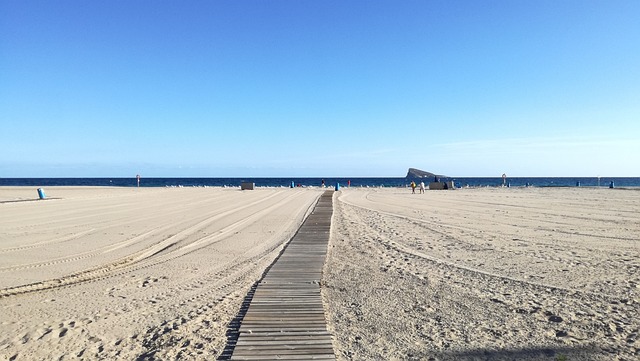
331	182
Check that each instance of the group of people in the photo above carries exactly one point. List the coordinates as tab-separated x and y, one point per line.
413	187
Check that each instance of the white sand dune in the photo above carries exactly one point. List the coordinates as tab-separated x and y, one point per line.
471	274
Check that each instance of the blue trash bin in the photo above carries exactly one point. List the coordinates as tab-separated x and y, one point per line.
41	194
612	185
337	186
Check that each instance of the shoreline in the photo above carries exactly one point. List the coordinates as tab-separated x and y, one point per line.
310	181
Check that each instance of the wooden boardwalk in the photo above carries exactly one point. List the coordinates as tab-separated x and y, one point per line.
285	318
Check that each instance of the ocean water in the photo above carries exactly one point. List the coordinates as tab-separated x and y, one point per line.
307	182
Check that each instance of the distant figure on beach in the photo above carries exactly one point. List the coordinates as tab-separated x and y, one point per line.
421	187
413	187
323	183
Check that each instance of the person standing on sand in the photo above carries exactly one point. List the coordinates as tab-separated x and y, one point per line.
421	187
413	187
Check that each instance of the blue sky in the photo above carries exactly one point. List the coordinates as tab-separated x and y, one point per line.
319	88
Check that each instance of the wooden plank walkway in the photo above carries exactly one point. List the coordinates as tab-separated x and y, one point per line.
285	319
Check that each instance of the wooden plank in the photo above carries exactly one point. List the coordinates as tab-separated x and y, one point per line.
284	357
267	342
281	322
280	318
314	334
283	327
283	350
288	336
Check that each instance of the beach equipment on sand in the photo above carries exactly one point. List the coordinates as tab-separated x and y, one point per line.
612	185
41	194
442	185
337	186
247	186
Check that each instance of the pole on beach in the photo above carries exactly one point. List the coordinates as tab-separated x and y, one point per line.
138	179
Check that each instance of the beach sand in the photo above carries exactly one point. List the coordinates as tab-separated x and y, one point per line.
126	273
485	274
471	274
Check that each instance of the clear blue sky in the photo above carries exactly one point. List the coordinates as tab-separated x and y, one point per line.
319	88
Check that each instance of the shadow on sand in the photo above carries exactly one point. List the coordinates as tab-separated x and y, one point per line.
542	353
234	326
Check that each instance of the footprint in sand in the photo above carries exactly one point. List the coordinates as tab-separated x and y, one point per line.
25	338
45	332
554	318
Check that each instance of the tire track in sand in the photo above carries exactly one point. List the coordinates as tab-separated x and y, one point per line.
112	247
144	258
471	270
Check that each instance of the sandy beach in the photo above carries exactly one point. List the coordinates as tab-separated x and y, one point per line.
485	274
472	274
125	273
